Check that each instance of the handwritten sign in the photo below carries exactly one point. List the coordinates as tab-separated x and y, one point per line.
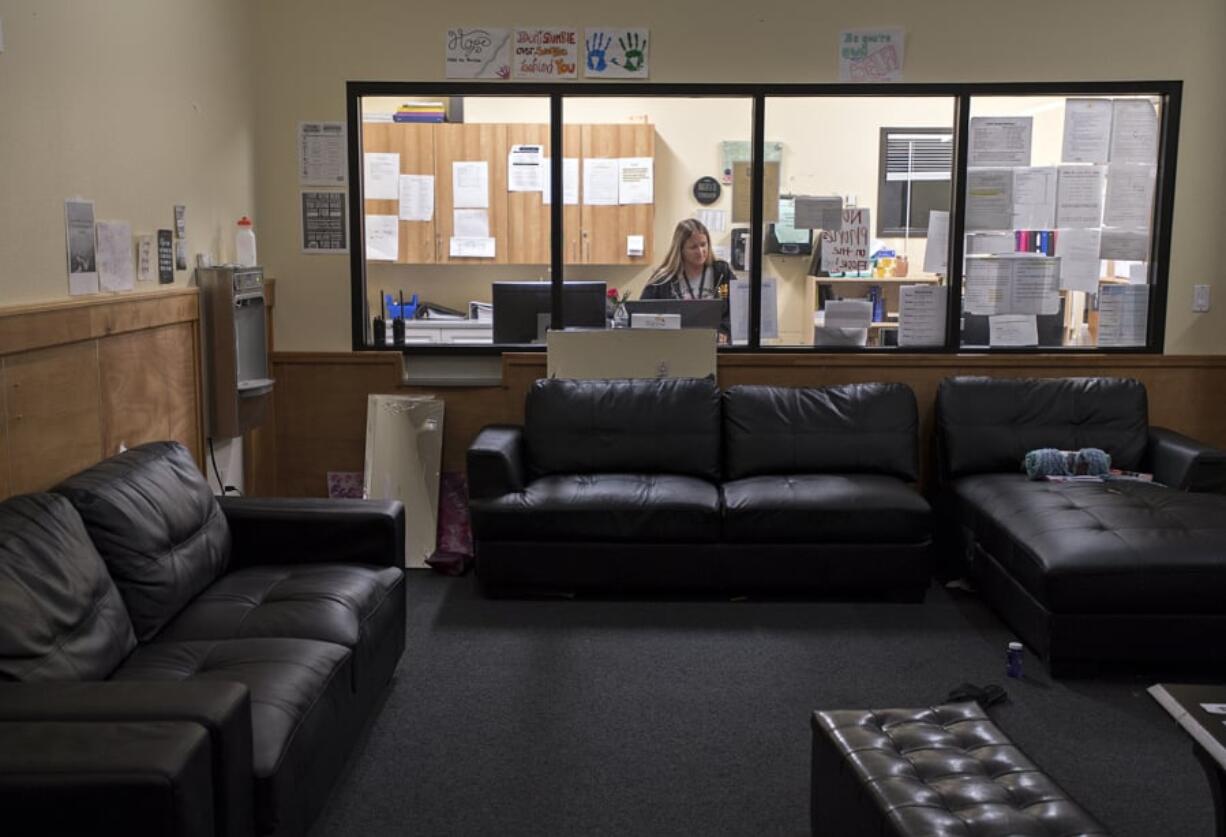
871	55
847	250
478	53
615	53
545	53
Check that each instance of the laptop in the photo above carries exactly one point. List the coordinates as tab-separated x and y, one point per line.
695	313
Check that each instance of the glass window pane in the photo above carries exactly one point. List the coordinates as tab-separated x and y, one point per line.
849	199
643	169
453	203
1058	221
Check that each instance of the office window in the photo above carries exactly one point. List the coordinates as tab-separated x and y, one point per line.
644	165
1056	235
1059	219
453	202
834	275
913	179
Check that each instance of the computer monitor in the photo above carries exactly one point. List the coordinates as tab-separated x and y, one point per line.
522	309
695	313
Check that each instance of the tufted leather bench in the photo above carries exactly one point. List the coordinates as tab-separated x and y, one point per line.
942	771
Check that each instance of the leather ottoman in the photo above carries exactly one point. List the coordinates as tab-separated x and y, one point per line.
942	771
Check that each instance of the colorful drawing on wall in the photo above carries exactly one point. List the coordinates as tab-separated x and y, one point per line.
871	54
478	53
615	53
545	53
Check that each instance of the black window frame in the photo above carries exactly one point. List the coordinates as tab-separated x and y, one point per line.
1169	92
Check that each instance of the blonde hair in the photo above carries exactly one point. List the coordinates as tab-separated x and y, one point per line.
672	262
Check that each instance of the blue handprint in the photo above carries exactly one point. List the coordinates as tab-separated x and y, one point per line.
596	46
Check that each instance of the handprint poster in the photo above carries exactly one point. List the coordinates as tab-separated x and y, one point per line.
615	53
478	53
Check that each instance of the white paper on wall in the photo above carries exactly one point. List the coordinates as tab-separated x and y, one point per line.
989	199
1000	141
1080	264
382	238
921	315
416	197
1134	132
470	184
1079	196
1087	131
380	176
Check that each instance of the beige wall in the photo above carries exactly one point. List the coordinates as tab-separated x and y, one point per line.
310	48
136	105
141	105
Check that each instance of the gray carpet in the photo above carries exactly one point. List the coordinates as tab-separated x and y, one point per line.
555	717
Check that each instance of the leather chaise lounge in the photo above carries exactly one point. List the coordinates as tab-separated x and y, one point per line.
657	485
1120	571
179	665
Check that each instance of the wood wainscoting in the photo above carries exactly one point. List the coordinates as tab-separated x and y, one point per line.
320	399
80	377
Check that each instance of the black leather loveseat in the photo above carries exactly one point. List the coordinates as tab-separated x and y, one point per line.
180	666
1086	572
646	485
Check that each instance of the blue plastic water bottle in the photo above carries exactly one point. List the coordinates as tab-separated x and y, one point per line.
1013	660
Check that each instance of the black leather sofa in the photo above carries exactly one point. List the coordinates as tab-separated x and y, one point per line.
176	665
653	485
1086	572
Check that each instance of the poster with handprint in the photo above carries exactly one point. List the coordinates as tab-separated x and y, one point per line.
615	53
478	53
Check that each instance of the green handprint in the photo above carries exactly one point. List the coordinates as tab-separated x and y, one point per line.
633	51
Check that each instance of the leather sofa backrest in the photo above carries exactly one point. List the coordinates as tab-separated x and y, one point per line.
669	425
852	428
61	616
157	525
987	425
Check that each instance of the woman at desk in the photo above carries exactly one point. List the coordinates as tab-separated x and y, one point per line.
690	271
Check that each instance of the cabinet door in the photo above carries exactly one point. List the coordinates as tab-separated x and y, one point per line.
415	145
470	143
605	228
527	212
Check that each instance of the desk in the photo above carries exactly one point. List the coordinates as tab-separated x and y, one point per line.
1201	711
436	332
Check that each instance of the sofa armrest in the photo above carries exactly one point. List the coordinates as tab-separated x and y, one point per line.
496	462
285	530
221	708
136	778
1184	463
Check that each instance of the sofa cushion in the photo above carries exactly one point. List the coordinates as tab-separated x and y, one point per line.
156	524
300	705
63	618
603	507
336	603
853	428
987	425
818	508
1102	547
666	426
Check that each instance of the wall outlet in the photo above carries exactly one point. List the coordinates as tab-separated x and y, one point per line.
1200	298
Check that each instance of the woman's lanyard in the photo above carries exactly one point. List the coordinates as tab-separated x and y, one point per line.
701	282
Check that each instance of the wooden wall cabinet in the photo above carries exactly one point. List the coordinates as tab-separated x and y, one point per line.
519	221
